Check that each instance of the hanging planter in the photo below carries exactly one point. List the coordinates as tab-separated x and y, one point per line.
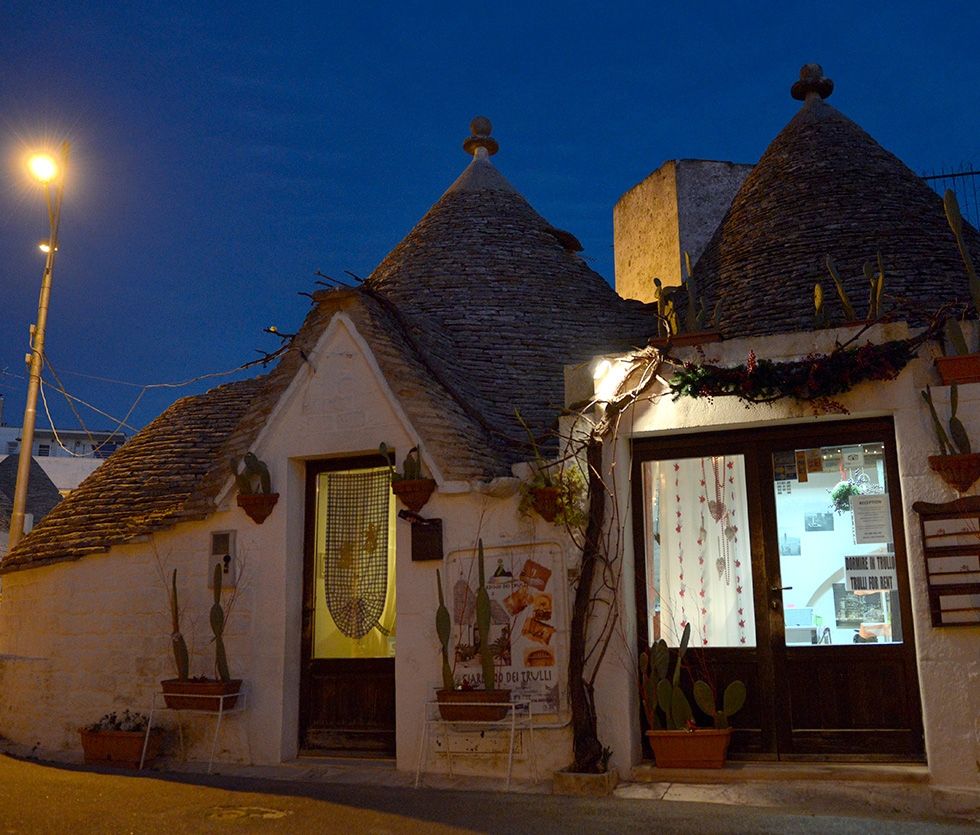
959	471
546	502
257	506
964	368
414	492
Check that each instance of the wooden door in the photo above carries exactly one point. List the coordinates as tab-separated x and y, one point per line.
347	697
830	671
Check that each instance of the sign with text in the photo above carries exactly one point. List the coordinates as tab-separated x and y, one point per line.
528	620
870	573
872	519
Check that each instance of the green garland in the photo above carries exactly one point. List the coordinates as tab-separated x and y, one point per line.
815	377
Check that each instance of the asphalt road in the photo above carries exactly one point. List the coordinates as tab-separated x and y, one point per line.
42	798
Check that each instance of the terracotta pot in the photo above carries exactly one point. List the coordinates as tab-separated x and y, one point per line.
190	694
685	340
121	749
959	471
701	748
469	705
258	506
546	501
413	492
959	369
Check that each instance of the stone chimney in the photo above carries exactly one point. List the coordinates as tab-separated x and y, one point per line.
676	209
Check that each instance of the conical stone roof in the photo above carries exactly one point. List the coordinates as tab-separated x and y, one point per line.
824	187
499	301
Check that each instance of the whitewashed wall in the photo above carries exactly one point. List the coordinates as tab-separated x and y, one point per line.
948	658
78	639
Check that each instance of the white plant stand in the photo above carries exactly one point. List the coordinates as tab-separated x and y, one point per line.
519	719
240	706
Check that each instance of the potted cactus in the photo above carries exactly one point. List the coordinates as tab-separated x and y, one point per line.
695	328
555	491
960	365
201	693
675	738
255	494
411	488
956	463
117	740
457	704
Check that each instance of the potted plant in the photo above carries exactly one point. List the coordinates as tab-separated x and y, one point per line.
554	491
464	704
876	288
255	494
117	740
675	738
201	693
956	463
411	488
960	364
695	328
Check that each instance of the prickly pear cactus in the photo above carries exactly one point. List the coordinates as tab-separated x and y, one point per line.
176	638
444	631
218	628
483	624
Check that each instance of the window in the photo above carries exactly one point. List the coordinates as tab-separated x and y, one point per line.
698	534
12	447
43	450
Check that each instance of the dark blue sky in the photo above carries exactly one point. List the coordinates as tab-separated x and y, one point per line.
223	152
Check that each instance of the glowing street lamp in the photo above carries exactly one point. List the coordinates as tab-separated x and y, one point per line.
48	171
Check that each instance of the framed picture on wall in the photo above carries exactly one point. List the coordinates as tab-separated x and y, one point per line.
818	520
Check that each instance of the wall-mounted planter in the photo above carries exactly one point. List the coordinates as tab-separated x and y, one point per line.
546	502
120	749
964	368
959	471
413	492
258	506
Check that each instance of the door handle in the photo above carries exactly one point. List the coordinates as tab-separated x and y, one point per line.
780	588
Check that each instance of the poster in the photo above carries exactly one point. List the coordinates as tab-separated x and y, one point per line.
870	573
784	466
872	519
526	585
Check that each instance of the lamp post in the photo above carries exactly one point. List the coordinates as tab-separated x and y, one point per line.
48	171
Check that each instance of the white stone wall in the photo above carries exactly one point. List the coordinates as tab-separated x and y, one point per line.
84	638
948	658
78	639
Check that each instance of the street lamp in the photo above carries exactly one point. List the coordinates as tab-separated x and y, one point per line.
48	171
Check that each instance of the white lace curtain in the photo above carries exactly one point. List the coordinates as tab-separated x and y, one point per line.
697	533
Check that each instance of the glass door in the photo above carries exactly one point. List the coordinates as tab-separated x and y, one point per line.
347	698
783	549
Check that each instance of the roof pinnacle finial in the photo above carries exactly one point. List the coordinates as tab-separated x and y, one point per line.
812	84
480	129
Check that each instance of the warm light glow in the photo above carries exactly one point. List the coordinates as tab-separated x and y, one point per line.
44	246
43	167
